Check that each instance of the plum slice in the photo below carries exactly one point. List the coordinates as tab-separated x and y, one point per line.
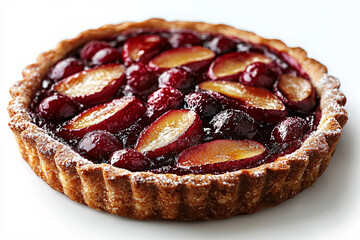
258	102
142	48
296	92
222	155
196	58
231	65
170	134
112	116
92	86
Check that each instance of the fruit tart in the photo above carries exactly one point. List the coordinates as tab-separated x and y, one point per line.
176	120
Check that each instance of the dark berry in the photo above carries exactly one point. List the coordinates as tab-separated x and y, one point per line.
139	77
130	159
106	55
202	103
89	50
184	38
163	100
221	45
258	74
65	68
129	136
179	77
57	108
290	129
234	124
99	145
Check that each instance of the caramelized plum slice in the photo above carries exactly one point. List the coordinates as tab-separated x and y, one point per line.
220	155
196	58
142	48
296	92
99	145
112	116
130	159
170	134
94	85
259	103
231	65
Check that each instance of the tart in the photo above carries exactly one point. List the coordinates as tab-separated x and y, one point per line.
176	120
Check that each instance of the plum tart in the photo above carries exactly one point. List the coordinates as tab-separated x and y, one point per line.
176	120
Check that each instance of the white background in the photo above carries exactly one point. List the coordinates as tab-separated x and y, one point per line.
328	30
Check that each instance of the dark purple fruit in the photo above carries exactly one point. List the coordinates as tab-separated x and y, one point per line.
202	103
130	159
99	145
57	108
290	129
234	124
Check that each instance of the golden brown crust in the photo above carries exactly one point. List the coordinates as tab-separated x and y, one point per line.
144	195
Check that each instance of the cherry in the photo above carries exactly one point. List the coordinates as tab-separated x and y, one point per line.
57	107
290	129
130	159
258	74
139	77
202	103
99	145
178	77
89	50
184	38
163	100
106	55
221	45
235	124
129	136
65	68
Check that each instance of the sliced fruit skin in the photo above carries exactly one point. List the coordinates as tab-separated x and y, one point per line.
65	68
178	77
184	38
171	134
106	55
98	145
258	74
288	87
289	129
112	116
57	108
130	159
91	48
142	48
234	124
230	66
221	45
93	86
259	103
202	103
196	58
163	100
221	155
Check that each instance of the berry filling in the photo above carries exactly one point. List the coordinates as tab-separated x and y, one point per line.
177	102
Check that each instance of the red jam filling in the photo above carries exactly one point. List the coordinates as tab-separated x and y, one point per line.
177	102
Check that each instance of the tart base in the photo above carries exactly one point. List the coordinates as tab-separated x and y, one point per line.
145	195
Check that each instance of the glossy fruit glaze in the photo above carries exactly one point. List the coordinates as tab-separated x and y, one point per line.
174	101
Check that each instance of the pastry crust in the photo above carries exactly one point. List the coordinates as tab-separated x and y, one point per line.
145	195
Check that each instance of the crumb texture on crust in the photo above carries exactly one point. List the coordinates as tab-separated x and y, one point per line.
145	195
